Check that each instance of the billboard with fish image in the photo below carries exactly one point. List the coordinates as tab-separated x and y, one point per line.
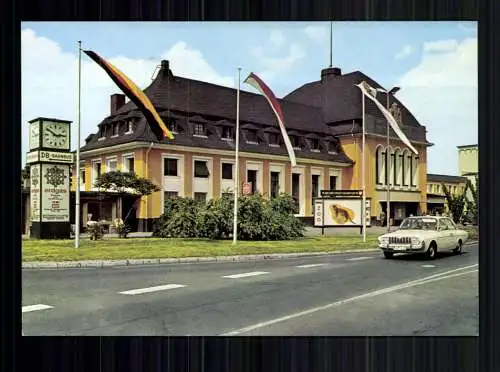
339	210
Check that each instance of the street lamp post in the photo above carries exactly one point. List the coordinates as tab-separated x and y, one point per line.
392	91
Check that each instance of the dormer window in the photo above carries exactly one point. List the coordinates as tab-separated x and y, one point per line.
313	144
172	126
114	129
227	133
273	139
130	126
295	142
332	148
102	133
252	136
200	130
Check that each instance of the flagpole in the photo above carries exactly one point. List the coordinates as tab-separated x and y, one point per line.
78	122
331	43
363	170
236	163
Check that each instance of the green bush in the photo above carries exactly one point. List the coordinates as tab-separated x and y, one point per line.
95	230
215	219
178	220
258	219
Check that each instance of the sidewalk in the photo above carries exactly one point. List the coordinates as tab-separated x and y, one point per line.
310	231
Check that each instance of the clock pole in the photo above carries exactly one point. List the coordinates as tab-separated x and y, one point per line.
77	178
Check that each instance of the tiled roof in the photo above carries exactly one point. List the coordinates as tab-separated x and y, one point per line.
340	99
444	178
187	100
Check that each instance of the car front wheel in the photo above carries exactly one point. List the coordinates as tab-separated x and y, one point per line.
388	255
431	252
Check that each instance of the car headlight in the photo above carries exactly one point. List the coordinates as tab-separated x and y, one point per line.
383	240
416	241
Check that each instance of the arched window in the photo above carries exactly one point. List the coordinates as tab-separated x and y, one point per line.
408	167
389	166
397	167
414	171
380	165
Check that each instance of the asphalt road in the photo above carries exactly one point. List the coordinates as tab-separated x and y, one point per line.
335	295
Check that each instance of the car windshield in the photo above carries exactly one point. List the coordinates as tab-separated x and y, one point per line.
416	223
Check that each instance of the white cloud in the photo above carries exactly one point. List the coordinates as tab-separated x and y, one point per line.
272	64
318	34
49	78
277	37
441	46
405	52
442	93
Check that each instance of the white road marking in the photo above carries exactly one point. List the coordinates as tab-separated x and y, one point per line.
311	265
359	258
429	279
427	266
245	275
27	309
152	289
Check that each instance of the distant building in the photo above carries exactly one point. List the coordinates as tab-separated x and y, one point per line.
323	120
436	200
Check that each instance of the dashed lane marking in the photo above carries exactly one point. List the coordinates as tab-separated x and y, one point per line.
30	308
152	289
359	258
245	275
311	265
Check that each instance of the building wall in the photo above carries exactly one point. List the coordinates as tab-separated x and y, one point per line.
352	178
148	163
468	160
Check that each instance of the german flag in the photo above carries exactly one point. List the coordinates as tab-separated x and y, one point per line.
135	94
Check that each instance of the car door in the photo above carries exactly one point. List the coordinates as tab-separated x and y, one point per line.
443	239
452	233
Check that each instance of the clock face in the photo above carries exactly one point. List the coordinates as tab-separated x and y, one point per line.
56	135
34	138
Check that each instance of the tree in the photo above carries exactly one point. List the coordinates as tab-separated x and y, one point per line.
126	182
456	203
472	203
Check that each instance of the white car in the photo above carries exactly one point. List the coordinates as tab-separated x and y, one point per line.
426	234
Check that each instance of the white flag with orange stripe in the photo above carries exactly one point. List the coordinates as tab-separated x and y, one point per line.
258	84
370	92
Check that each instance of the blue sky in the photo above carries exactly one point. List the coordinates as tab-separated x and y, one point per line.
434	62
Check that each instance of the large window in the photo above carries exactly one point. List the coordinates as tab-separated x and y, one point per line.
128	164
96	170
111	165
200	197
115	129
296	191
379	166
252	178
201	169
315	186
227	171
172	126
170	194
275	184
333	182
170	167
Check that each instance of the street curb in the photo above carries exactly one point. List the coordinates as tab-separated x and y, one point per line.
159	261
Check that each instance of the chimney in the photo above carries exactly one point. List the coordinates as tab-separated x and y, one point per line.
117	101
165	69
330	72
